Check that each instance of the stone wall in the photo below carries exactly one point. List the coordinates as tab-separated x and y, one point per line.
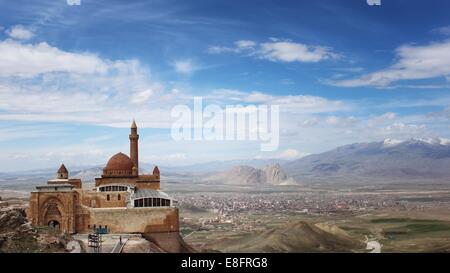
135	220
100	199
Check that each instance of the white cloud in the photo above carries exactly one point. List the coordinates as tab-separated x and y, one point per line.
141	97
287	103
239	46
28	60
400	128
279	51
72	156
442	30
295	52
341	121
20	32
291	154
184	66
29	131
382	119
288	154
39	82
245	44
414	63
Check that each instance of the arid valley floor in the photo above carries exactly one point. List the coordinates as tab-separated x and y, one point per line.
314	220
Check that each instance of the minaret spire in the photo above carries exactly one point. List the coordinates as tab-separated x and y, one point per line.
134	147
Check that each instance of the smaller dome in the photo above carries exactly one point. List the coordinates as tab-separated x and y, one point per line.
119	162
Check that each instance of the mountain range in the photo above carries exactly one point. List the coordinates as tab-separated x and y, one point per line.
388	161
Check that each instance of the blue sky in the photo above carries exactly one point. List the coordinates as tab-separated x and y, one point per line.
72	77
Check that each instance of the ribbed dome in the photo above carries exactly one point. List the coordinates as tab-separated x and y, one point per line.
119	162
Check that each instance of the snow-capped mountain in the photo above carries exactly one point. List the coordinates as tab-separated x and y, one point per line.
388	160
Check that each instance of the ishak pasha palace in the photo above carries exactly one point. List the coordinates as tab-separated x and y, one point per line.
122	201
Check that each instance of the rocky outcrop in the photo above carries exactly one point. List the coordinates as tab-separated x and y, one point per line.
275	175
246	175
17	234
12	219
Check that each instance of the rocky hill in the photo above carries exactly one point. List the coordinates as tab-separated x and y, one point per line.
246	175
297	237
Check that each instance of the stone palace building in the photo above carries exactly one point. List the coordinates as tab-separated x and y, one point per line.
122	201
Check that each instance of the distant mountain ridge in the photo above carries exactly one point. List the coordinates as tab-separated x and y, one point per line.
385	160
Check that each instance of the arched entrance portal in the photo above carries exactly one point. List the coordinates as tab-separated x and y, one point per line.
54	224
52	215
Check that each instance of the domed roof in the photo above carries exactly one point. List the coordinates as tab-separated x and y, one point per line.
119	162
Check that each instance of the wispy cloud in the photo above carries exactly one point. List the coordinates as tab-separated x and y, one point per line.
20	32
442	30
414	62
288	103
279	51
186	67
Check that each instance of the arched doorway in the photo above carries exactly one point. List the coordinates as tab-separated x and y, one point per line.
52	213
54	224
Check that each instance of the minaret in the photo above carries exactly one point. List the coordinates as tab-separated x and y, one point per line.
134	137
